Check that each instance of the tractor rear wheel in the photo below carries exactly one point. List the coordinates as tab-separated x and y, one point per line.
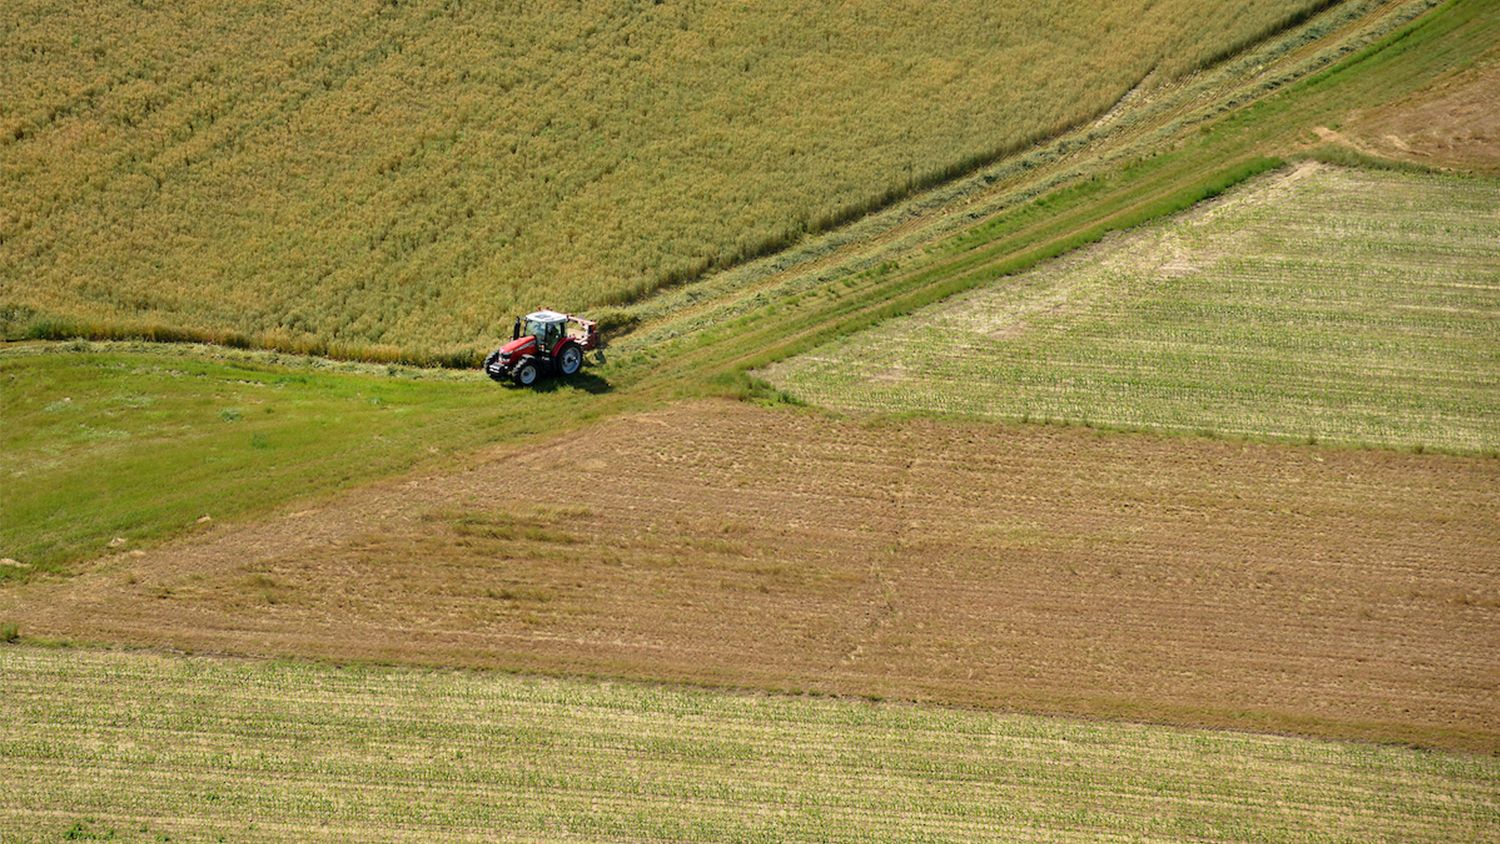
526	374
570	361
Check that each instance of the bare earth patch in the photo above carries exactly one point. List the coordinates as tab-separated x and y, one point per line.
1334	592
1453	123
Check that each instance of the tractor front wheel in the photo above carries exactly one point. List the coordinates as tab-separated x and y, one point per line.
526	374
492	366
570	361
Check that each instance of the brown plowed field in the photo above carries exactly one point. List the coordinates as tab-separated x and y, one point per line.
1332	592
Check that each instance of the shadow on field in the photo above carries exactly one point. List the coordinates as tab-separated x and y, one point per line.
585	381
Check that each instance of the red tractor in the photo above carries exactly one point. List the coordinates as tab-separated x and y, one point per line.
542	343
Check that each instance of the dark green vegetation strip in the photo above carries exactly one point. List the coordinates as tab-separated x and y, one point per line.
139	747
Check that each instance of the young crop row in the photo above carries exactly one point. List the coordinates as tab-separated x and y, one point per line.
1319	304
136	745
400	177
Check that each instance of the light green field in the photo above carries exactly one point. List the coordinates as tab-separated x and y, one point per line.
105	442
1318	303
142	745
396	178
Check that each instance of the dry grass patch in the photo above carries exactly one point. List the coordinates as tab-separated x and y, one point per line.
1453	123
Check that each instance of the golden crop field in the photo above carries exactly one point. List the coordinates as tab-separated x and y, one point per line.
401	176
137	746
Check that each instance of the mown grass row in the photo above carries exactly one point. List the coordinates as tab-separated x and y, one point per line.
134	745
366	178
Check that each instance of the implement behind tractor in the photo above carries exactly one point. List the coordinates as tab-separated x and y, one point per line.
543	343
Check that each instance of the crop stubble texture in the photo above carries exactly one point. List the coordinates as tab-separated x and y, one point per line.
144	745
1334	592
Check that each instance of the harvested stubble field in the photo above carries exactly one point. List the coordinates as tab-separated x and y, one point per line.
394	178
1343	593
1317	303
140	746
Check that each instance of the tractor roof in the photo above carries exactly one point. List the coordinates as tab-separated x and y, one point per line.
546	316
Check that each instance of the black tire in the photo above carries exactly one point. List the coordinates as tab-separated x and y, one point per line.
492	366
526	373
571	360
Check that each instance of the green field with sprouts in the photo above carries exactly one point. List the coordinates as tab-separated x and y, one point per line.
394	179
1317	303
134	746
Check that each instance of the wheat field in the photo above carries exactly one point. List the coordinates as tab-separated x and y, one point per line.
389	177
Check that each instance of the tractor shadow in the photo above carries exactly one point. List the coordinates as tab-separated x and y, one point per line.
586	381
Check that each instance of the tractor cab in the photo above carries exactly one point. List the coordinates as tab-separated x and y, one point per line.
546	326
543	342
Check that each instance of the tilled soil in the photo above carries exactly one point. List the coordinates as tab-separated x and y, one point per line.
1348	593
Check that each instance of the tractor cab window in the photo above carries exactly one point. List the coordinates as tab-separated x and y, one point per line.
546	333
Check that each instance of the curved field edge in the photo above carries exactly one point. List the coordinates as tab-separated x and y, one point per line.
1143	124
273	750
798	314
1315	304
